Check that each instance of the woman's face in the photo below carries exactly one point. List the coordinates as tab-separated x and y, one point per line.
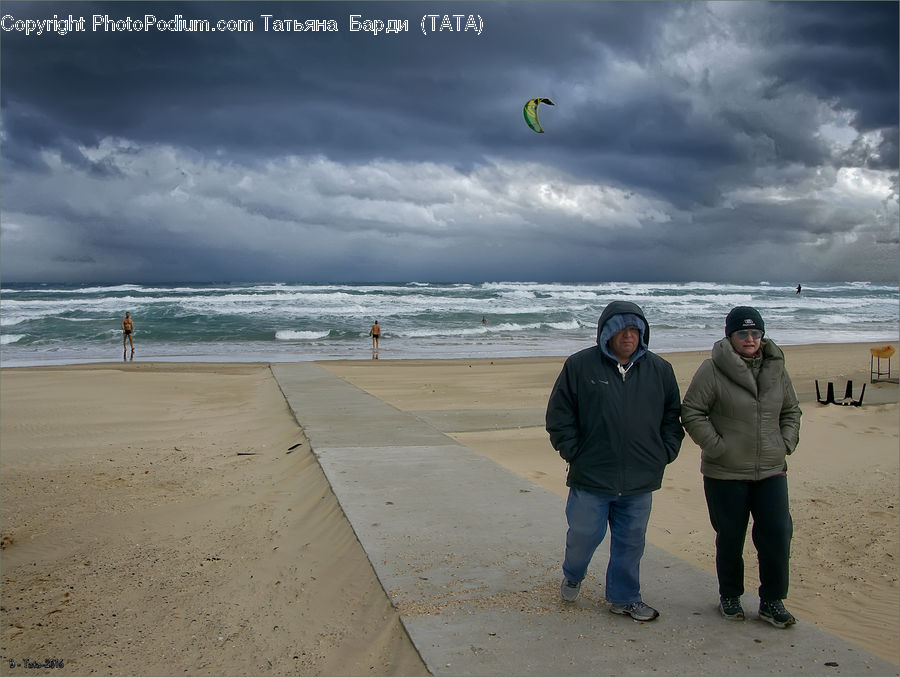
746	342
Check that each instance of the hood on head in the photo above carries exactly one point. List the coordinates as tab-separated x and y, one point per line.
615	317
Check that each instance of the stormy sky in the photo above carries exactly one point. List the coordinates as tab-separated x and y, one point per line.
722	141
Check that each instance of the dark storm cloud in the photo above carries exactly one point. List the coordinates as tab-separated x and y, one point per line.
843	53
322	92
681	127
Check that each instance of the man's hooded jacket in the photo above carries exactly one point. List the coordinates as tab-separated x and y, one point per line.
616	425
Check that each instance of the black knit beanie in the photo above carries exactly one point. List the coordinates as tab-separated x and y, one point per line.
743	317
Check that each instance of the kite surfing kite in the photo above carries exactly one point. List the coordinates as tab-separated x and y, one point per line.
530	111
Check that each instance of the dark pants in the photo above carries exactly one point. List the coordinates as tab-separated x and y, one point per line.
730	504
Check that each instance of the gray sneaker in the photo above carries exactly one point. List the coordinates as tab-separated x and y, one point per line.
569	590
637	610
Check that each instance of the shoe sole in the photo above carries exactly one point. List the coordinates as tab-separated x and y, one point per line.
777	624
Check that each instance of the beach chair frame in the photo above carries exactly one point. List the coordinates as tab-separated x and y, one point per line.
847	400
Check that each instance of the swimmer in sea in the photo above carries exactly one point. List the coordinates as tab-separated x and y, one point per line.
127	333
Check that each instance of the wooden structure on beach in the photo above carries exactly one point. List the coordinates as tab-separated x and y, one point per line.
876	371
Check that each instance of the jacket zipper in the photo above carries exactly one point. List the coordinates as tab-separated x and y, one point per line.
625	407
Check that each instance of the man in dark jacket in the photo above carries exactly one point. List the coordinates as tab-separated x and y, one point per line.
613	416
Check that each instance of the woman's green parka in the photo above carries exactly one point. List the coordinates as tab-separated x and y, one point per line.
742	413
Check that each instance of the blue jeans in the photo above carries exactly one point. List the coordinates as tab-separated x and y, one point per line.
588	513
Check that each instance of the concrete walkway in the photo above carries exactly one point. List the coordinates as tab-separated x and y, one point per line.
470	555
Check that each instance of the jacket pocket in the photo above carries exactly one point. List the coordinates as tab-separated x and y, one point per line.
571	453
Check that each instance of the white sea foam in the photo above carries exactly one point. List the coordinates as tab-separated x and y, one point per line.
834	319
291	335
570	325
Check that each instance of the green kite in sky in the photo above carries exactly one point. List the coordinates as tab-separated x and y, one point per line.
531	113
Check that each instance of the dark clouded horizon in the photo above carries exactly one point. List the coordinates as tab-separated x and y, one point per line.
722	141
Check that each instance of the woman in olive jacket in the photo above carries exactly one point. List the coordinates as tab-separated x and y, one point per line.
742	412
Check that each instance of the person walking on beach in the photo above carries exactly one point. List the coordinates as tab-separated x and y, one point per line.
613	416
127	333
742	412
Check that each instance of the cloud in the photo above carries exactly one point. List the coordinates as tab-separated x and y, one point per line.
737	140
221	218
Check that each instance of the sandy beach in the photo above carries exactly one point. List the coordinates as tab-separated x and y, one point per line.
163	519
171	519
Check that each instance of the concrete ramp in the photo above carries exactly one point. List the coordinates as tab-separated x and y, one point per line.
470	554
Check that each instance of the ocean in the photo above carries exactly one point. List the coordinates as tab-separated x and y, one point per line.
279	322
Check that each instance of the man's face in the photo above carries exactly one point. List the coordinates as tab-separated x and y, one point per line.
624	342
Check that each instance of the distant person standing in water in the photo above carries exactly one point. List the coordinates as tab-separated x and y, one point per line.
375	333
127	333
799	288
